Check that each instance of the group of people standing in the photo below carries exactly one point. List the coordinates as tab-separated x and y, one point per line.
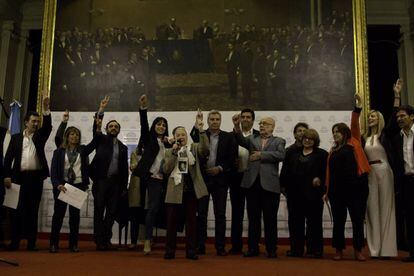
361	174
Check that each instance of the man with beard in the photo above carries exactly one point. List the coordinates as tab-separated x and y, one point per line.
402	144
109	173
25	164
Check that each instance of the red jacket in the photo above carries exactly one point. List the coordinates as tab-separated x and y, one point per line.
354	141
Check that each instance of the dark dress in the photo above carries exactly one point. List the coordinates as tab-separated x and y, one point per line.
304	200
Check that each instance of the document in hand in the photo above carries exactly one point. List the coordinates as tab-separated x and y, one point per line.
73	196
11	199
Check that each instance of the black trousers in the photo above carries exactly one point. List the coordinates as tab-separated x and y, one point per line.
137	217
59	212
354	200
217	187
155	187
237	199
261	201
303	211
25	217
174	212
106	193
232	77
408	205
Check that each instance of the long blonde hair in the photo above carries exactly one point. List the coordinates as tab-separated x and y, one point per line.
66	136
380	127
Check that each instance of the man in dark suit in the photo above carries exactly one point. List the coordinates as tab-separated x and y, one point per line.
109	173
404	170
277	74
173	31
246	69
216	171
260	76
25	164
261	183
2	191
233	61
204	32
237	195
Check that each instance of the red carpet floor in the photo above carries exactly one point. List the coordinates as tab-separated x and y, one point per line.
124	262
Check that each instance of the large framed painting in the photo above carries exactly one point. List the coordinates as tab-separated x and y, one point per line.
298	60
221	54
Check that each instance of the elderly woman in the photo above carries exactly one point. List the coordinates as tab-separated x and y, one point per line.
69	165
303	176
185	187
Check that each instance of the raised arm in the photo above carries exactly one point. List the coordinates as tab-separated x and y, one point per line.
100	114
392	128
96	138
355	128
240	139
143	118
46	129
61	130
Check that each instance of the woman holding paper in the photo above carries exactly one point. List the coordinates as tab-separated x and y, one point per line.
69	167
185	187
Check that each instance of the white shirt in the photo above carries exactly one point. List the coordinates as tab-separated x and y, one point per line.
156	166
76	168
244	154
30	161
408	151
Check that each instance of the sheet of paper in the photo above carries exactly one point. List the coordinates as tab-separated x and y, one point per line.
11	198
73	196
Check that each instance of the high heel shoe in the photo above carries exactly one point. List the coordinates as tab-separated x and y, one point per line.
359	257
147	247
338	256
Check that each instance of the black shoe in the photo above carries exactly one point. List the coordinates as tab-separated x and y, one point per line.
271	255
74	249
101	247
111	247
235	251
169	256
249	254
291	253
384	258
12	247
53	249
201	251
409	259
221	252
32	248
192	257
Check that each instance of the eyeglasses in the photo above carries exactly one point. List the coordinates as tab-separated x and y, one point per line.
308	138
264	124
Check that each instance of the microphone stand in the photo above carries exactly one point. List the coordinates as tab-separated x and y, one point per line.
10	262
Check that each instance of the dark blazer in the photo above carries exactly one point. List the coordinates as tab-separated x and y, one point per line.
226	149
150	145
298	181
2	135
58	160
14	152
103	144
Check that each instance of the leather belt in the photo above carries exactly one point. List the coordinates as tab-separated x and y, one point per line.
375	162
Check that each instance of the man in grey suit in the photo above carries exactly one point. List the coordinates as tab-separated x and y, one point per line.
261	183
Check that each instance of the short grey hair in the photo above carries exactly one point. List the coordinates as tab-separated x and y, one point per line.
213	112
